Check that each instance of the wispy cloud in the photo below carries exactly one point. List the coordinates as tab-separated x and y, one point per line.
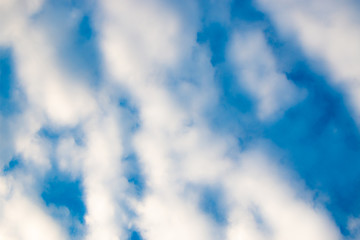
135	133
259	75
328	31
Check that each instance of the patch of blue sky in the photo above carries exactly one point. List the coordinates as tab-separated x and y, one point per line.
323	145
126	103
6	73
49	133
135	235
78	51
245	10
61	191
216	35
8	104
133	174
234	112
212	203
12	165
136	188
53	134
233	101
84	50
235	108
319	136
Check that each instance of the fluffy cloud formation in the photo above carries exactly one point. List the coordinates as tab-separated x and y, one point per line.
141	139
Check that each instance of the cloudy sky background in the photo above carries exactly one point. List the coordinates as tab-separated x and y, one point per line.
196	120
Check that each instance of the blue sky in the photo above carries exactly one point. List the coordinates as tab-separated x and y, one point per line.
235	119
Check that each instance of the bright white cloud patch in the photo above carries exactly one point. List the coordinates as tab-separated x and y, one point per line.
150	56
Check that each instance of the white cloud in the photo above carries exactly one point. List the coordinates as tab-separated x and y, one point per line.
145	46
258	74
56	98
103	179
168	216
70	156
175	154
263	205
353	227
47	86
146	36
21	217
